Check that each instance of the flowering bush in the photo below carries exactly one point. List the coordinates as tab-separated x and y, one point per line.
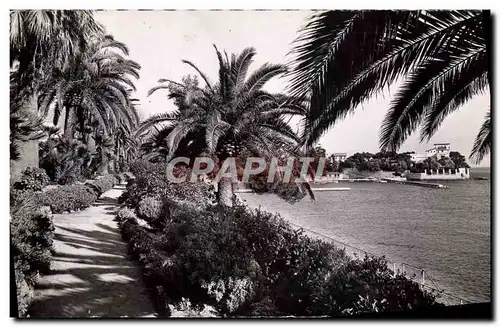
151	210
125	214
32	179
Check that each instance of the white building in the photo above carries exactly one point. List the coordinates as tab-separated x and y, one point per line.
418	157
338	157
440	150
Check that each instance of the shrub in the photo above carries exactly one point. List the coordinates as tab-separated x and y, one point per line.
128	175
367	285
188	256
125	214
151	210
142	167
123	177
32	231
67	198
32	179
119	178
290	192
103	183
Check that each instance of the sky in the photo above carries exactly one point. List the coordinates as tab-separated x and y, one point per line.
159	40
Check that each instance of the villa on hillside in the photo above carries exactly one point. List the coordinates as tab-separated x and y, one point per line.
440	150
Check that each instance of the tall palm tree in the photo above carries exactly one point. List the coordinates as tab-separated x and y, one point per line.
230	115
94	94
344	57
41	40
95	84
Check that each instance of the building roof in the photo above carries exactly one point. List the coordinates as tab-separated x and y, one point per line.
444	143
340	154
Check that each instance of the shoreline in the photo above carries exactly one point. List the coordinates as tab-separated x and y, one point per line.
429	285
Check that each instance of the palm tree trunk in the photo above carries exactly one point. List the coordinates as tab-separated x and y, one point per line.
91	143
68	128
225	191
28	150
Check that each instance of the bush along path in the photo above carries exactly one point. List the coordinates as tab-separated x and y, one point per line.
91	275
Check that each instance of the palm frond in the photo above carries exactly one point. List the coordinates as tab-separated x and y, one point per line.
423	88
482	144
215	128
203	76
379	46
262	75
239	69
156	119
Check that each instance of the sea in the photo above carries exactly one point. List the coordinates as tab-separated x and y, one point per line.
446	232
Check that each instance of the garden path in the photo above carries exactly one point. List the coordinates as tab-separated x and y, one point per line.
92	275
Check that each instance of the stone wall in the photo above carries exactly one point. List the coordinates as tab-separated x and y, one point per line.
463	173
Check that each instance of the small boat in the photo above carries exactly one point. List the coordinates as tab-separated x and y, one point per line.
382	181
323	189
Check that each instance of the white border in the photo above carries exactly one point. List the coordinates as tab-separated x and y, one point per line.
197	4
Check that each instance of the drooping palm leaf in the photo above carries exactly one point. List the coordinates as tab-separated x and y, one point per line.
343	58
482	144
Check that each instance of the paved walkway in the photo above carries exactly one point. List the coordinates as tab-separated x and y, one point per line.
92	276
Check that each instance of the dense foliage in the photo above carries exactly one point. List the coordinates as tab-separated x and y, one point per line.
64	67
246	262
454	161
31	232
103	183
381	161
67	161
151	181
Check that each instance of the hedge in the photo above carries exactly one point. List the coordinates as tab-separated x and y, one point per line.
68	198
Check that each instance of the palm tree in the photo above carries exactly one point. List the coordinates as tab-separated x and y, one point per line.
93	93
96	84
41	40
344	57
231	115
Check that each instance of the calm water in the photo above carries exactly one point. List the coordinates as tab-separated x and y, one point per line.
444	231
